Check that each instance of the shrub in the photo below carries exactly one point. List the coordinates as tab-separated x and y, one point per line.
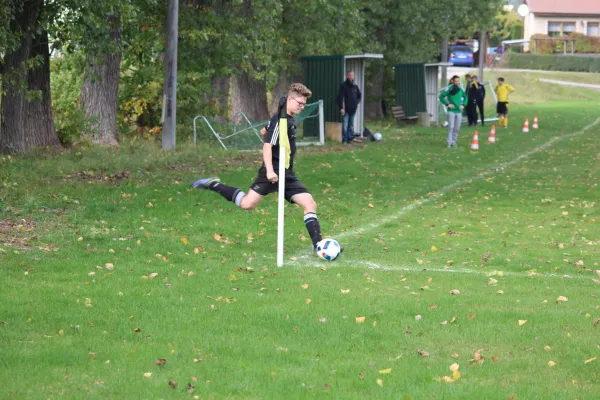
554	62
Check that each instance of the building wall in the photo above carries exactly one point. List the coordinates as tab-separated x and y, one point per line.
539	25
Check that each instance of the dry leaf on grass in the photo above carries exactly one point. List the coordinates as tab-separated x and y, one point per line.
522	322
561	299
423	353
500	292
492	281
304	286
161	361
308	301
547	348
551	363
153	275
455	291
345	291
380	382
596	322
148	375
360	320
109	266
454	367
589	360
455	375
385	371
173	385
447	379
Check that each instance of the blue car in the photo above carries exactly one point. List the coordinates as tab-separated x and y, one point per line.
461	55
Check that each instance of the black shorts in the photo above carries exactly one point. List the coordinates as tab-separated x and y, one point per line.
502	107
263	187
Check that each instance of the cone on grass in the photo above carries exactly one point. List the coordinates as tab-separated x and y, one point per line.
475	141
492	137
526	125
535	123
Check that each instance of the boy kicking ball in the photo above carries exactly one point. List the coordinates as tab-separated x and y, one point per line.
266	181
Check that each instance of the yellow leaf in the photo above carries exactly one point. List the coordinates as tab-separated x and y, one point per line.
522	322
443	234
217	237
492	281
148	375
184	241
456	375
447	379
433	248
308	301
345	291
61	332
385	371
360	320
547	348
153	275
371	205
454	367
304	286
561	299
589	361
380	382
551	363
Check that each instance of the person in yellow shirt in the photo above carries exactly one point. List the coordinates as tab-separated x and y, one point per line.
502	92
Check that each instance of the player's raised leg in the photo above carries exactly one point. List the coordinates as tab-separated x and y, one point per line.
306	201
233	194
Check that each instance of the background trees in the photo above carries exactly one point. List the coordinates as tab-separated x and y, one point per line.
104	76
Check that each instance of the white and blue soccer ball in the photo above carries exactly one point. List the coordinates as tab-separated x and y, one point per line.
377	137
328	249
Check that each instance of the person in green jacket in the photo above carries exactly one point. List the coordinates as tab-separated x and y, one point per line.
455	98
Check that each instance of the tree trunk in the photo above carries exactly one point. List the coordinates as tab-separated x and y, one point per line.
100	89
26	108
220	96
249	96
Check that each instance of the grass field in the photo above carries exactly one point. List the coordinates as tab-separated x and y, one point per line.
110	265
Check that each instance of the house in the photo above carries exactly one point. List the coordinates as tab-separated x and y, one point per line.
562	17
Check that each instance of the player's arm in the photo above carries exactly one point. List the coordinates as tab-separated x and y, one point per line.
272	129
510	88
443	97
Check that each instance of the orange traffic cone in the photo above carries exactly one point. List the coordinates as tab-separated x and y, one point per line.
535	123
492	137
526	126
475	141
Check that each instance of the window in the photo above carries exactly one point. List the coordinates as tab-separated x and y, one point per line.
560	28
593	29
554	28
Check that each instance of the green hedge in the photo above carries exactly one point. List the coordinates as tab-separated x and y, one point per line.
554	62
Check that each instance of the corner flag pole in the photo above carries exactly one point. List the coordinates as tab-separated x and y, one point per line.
283	140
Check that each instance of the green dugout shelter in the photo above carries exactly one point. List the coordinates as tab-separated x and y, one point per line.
323	75
417	88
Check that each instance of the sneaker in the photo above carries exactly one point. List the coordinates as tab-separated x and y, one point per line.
205	183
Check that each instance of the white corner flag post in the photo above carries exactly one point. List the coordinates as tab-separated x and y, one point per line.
284	161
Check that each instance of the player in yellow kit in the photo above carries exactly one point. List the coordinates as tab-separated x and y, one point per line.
502	92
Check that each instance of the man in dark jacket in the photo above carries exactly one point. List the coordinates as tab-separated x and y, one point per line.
471	108
349	97
477	93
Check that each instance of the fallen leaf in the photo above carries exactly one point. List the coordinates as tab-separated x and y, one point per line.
447	379
173	385
184	240
455	291
304	286
596	322
419	317
433	248
423	353
109	266
471	316
500	292
511	397
161	361
522	322
345	291
196	250
371	205
444	323
492	281
494	358
153	275
380	382
551	363
148	375
454	367
137	330
561	299
191	388
217	237
547	348
455	375
455	355
453	320
360	320
374	324
361	375
589	360
385	371
308	301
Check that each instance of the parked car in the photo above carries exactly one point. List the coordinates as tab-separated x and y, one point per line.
461	55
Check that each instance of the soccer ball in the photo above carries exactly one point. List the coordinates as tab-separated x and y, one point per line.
445	124
377	137
328	249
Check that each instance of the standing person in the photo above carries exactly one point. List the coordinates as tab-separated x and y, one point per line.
455	98
348	98
471	108
266	181
502	92
478	93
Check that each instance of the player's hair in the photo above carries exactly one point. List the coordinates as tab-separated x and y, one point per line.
474	77
454	77
300	90
468	76
347	72
501	79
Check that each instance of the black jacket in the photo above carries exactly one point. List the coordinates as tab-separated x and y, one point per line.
476	92
348	97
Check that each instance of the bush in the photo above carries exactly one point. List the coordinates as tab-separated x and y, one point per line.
583	44
554	62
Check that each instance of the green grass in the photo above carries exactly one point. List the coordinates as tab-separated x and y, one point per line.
441	219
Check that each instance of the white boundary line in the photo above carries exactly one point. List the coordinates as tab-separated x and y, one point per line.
423	269
446	189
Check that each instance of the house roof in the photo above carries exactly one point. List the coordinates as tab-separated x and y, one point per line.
577	7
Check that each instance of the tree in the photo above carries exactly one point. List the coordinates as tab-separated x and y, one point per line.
26	109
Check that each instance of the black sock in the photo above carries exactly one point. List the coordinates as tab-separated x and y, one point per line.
229	192
313	227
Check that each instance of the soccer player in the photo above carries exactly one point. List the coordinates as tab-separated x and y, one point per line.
478	92
455	98
266	181
502	92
